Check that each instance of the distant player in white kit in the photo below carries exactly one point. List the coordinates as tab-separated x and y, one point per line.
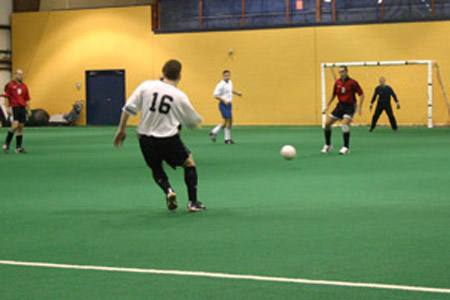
163	109
224	93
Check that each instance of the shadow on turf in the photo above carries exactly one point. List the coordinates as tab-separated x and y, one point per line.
147	213
147	219
139	213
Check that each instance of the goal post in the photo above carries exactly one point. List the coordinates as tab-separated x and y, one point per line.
408	85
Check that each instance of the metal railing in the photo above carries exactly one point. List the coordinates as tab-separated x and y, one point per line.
172	15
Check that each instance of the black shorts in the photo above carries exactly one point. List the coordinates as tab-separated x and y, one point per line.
170	149
342	110
19	114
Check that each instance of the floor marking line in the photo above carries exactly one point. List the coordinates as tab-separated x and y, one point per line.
229	276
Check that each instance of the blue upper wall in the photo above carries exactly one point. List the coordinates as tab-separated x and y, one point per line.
183	15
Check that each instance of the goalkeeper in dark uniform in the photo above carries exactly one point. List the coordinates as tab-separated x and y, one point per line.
384	93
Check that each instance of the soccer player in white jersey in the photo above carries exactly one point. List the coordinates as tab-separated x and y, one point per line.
163	109
224	93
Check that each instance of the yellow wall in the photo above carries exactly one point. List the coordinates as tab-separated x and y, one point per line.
278	70
274	69
56	48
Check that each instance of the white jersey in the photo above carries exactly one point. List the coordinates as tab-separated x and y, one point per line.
163	107
224	90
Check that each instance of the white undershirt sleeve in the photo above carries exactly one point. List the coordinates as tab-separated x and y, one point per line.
134	103
186	113
218	90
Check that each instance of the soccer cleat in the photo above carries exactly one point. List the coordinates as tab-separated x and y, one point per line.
229	142
5	149
21	150
195	206
171	200
326	149
344	150
212	136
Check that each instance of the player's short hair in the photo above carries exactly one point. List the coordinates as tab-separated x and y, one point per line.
225	71
172	69
344	67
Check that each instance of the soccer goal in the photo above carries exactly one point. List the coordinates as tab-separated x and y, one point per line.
422	101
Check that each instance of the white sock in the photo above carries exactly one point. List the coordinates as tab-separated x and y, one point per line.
227	134
217	129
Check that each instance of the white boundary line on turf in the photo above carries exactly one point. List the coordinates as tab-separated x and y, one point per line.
229	276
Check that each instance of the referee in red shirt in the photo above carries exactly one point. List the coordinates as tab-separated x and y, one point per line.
345	89
17	104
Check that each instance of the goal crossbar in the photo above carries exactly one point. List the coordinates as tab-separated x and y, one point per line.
429	63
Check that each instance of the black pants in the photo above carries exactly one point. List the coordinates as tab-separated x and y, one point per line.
170	149
379	109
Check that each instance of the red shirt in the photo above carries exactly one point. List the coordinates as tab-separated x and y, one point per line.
346	90
17	93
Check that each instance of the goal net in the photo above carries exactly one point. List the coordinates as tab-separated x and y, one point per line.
417	84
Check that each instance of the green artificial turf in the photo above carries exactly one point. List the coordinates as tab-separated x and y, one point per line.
378	215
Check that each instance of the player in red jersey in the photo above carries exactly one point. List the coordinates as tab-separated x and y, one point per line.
345	89
17	104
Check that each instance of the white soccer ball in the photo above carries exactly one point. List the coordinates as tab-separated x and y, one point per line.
288	152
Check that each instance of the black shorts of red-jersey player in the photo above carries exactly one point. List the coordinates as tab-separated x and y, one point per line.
19	114
343	110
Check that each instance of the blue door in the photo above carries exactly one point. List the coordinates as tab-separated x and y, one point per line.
105	96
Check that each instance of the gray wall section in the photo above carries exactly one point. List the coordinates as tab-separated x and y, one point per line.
5	11
46	5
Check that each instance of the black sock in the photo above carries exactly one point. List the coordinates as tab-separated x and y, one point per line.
191	179
163	182
328	137
347	139
9	137
19	139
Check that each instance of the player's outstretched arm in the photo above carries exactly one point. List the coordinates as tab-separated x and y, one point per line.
132	107
222	100
8	108
361	101
237	93
28	108
375	94
329	103
187	114
395	98
121	133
